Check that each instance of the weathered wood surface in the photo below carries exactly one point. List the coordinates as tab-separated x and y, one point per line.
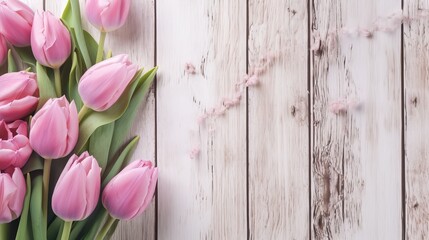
279	121
281	165
416	116
356	156
205	197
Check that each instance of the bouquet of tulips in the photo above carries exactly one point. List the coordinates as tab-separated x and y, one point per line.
66	107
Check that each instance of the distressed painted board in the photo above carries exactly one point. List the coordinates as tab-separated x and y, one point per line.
204	197
416	116
279	121
356	156
137	39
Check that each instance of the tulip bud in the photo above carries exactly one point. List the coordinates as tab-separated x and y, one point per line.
3	50
50	40
55	128
102	85
107	15
14	145
78	188
18	95
16	20
128	194
12	194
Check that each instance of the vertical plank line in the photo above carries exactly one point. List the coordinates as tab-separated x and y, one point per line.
156	115
247	125
309	95
403	129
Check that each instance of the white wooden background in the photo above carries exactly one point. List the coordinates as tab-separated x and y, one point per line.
281	166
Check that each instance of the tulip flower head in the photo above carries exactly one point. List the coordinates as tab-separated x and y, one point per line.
102	85
14	144
12	193
16	20
78	188
107	15
54	129
3	50
18	95
50	40
129	193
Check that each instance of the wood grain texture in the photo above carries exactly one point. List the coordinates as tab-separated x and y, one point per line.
416	102
137	39
203	198
279	122
356	157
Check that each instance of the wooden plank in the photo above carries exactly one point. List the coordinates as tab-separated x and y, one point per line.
356	156
416	103
137	39
205	197
278	121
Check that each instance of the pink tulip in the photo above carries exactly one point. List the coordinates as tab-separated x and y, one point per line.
107	15
55	128
16	20
50	40
12	194
18	95
78	188
128	194
3	50
102	85
14	145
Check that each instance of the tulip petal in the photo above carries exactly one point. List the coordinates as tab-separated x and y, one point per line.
150	192
18	108
93	183
49	133
3	50
73	127
69	197
14	27
17	204
57	47
125	206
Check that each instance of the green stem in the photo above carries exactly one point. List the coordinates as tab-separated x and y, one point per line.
83	112
46	176
66	230
4	231
57	82
105	228
100	49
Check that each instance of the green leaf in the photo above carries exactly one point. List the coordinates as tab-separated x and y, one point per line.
36	213
35	162
11	65
124	124
26	56
23	230
117	165
112	230
99	219
96	119
99	144
74	76
54	228
76	24
46	86
67	14
91	44
95	219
